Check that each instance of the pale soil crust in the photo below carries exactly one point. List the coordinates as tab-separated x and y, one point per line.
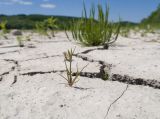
31	87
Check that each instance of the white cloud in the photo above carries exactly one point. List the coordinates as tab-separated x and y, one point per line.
48	5
21	2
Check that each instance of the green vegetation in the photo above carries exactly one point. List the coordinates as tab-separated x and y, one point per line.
126	27
28	37
4	29
81	27
47	25
20	41
125	31
69	58
153	21
3	25
92	32
29	21
147	25
51	24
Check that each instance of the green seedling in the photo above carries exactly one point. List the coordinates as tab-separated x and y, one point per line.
28	37
68	58
20	41
47	25
51	24
125	32
3	27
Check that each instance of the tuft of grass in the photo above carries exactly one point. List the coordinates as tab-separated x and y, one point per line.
51	22
125	31
3	27
94	32
28	37
47	25
20	41
40	28
68	58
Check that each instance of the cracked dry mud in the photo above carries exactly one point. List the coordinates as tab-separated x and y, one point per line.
31	87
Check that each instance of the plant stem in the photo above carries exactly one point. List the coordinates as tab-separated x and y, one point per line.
70	82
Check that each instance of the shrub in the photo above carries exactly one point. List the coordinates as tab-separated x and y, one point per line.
69	58
3	27
51	22
92	32
47	25
40	27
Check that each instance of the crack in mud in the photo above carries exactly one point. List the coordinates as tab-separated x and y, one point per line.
87	51
101	74
51	41
11	60
83	74
6	73
90	50
2	53
106	68
87	74
1	78
44	57
115	101
13	46
42	72
14	69
135	81
15	80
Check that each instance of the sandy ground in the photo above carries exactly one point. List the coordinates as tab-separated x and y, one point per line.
31	87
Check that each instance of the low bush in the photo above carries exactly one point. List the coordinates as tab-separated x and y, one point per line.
94	32
47	25
3	27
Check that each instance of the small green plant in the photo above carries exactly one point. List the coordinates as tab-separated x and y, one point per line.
20	41
136	30
40	28
28	37
68	57
51	24
3	27
47	25
3	35
125	32
94	32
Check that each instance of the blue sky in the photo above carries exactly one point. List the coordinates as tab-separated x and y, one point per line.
128	10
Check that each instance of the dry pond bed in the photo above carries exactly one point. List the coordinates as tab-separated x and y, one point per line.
31	87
